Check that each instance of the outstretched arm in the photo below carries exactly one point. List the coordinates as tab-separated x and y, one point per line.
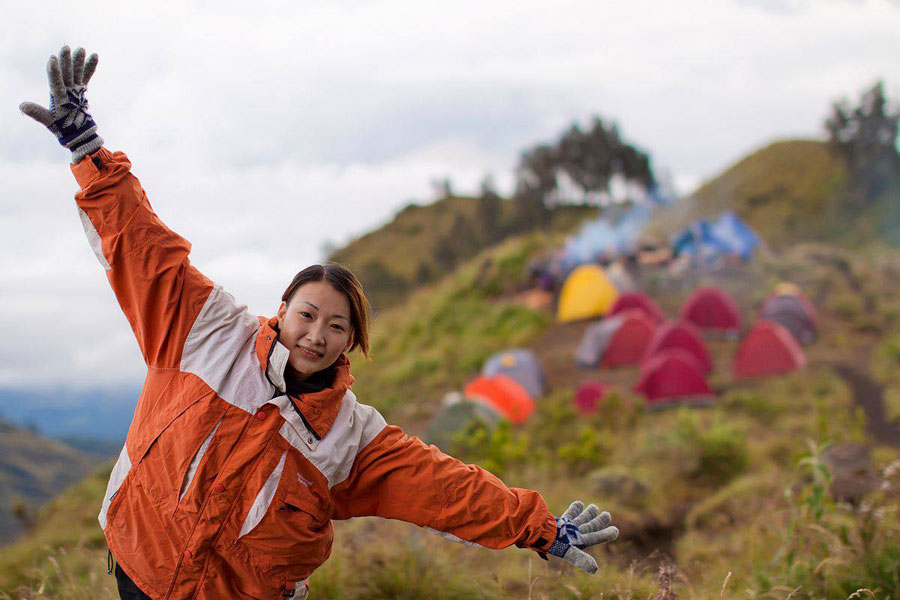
399	477
146	263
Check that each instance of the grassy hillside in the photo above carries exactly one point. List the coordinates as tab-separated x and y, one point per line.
788	191
33	469
396	259
735	498
731	495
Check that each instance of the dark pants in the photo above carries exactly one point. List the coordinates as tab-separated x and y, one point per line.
127	589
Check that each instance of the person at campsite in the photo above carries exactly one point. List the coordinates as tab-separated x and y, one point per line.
247	440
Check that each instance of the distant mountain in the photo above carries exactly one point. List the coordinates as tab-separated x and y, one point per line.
33	469
99	414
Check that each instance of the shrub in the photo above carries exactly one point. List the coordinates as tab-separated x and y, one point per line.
716	451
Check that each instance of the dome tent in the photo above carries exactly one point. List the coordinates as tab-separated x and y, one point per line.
504	395
520	365
454	418
589	395
672	376
586	293
712	309
769	349
683	335
794	314
630	300
615	341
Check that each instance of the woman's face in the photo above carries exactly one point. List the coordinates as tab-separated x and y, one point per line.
315	327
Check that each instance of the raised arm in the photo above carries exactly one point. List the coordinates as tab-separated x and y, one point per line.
146	263
399	477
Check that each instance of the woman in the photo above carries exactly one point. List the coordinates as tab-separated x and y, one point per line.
247	440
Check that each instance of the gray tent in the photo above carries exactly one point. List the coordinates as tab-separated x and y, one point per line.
455	418
519	365
789	312
596	339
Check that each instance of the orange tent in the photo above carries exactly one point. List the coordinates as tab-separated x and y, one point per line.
504	395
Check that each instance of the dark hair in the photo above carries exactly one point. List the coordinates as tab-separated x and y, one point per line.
344	281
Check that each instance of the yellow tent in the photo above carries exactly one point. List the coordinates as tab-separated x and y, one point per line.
586	293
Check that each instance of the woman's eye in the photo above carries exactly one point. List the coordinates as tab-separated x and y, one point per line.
337	327
305	314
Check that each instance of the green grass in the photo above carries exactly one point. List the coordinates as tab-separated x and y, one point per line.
442	335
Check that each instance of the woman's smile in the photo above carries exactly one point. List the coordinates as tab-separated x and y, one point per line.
309	353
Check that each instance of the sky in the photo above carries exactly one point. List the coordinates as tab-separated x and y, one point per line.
263	133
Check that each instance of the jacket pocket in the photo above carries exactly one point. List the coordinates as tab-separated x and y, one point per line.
294	535
175	441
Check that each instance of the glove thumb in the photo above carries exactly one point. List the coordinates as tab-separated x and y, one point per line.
581	559
37	112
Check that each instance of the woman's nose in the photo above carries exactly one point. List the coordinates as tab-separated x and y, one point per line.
316	335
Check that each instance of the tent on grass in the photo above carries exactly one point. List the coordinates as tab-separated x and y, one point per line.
728	235
586	293
789	312
520	365
504	395
712	309
640	301
589	395
618	340
683	335
454	418
769	349
672	376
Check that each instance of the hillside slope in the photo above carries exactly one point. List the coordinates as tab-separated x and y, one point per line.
401	256
33	469
788	191
733	495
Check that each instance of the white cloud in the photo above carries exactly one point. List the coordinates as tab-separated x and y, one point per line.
261	134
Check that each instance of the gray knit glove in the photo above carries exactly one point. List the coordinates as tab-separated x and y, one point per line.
68	117
578	528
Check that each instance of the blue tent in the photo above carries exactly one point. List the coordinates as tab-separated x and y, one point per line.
727	235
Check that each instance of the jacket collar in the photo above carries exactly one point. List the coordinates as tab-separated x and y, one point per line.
320	409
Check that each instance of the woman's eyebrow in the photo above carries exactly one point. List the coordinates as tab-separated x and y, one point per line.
333	317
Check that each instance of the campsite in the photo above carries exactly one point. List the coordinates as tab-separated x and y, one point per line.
716	364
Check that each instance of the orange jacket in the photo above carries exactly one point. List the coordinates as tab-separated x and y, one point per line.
221	491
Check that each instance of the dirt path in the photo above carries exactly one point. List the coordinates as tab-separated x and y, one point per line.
869	394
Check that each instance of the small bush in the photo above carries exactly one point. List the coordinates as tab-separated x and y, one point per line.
717	452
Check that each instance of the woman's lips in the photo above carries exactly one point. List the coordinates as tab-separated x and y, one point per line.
311	354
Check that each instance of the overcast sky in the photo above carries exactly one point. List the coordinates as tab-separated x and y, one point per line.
260	134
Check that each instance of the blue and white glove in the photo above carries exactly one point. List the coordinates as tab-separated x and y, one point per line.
68	117
578	528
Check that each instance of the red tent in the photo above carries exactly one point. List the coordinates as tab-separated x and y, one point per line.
589	395
504	395
615	341
683	335
631	300
712	309
672	376
769	349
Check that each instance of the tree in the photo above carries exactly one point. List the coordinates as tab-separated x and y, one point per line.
588	158
865	136
489	210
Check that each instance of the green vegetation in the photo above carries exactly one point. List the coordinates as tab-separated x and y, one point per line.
33	469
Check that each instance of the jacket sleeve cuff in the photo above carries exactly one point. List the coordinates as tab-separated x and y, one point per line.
542	537
87	170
